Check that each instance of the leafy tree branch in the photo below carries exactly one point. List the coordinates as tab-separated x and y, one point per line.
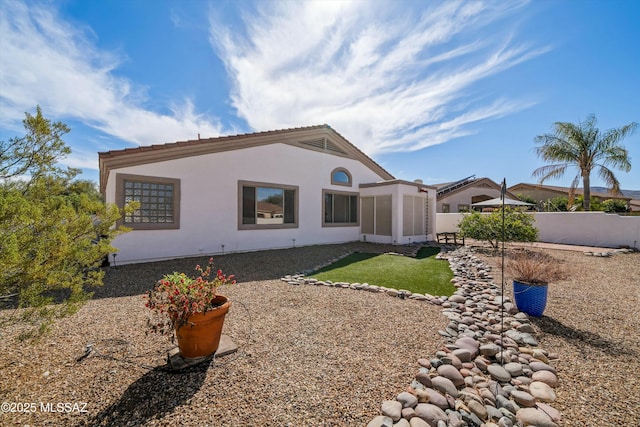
55	231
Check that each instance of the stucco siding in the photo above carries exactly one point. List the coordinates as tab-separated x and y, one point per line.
395	193
209	201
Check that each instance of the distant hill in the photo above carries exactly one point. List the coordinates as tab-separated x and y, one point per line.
634	194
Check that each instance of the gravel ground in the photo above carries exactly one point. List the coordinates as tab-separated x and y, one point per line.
592	322
309	356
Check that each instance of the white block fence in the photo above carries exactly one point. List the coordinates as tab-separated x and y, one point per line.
572	228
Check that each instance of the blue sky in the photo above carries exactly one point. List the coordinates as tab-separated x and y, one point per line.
430	90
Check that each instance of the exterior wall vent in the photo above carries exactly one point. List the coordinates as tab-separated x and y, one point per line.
322	144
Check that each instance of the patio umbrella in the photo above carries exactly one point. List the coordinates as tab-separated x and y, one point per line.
498	202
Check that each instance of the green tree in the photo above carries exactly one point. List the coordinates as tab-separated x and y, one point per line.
527	199
587	148
55	231
38	152
518	226
615	206
557	204
275	199
595	204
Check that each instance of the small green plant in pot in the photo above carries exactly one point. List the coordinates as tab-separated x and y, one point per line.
192	307
532	272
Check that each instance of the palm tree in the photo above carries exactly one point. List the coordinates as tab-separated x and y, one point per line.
587	148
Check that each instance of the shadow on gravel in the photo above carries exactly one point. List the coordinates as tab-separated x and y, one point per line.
136	279
581	338
154	395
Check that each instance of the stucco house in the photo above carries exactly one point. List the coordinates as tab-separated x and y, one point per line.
458	196
265	190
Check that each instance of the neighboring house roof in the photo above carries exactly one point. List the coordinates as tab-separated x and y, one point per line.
445	187
449	189
269	207
634	204
317	138
395	181
563	191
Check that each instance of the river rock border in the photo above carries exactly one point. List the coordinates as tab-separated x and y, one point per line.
609	253
480	377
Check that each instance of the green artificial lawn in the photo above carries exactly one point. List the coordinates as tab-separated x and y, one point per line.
422	274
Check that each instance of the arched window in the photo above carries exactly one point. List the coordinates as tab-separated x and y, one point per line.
341	176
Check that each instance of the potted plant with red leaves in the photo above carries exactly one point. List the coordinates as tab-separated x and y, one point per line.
192	308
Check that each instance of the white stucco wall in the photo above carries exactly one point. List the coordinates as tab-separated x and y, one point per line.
572	228
433	217
589	228
448	222
397	190
209	202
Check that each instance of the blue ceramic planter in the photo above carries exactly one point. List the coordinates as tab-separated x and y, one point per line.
530	299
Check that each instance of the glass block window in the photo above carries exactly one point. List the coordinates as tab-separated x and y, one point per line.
158	200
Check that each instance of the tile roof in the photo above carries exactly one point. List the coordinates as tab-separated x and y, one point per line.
160	152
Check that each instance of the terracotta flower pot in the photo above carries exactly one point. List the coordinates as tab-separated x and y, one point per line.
200	336
530	299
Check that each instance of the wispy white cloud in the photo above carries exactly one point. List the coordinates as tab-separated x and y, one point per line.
394	77
82	159
47	61
400	76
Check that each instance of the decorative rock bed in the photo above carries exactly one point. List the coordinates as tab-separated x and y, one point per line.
610	253
481	377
